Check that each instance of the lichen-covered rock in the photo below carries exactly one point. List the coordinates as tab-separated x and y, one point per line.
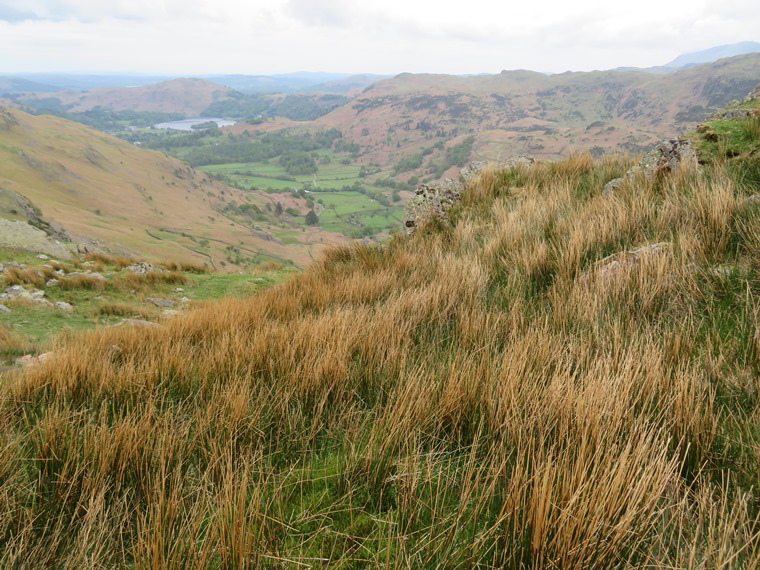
64	306
431	201
141	267
665	158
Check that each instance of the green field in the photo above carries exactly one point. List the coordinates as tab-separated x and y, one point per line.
340	210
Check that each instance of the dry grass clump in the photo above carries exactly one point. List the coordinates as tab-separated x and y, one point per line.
150	279
69	282
12	343
36	276
119	261
186	266
113	309
489	394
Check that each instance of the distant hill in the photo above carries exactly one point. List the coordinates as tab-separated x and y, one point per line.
11	85
714	54
96	187
184	96
524	112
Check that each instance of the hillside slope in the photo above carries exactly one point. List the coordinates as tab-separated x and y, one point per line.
184	96
101	188
524	112
554	377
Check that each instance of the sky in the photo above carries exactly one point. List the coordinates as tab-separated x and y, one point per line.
183	37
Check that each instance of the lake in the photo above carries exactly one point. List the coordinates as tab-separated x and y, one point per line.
187	124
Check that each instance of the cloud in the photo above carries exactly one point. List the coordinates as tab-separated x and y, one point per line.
11	14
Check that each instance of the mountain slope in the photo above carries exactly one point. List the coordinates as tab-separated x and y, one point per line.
523	112
102	188
185	96
714	54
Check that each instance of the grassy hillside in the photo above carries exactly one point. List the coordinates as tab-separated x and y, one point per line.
134	200
555	379
524	112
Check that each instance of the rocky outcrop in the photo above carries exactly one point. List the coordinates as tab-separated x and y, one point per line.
433	201
665	158
21	235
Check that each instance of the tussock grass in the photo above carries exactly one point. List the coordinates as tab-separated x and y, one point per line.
150	279
36	276
70	282
126	310
493	393
11	343
118	261
185	266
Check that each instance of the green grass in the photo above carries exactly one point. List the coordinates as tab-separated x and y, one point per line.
38	324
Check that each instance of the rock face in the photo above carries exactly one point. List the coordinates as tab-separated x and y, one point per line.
665	158
21	235
435	200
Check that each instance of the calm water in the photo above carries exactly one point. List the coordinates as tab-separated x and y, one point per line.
187	124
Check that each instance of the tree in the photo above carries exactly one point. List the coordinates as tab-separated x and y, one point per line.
312	219
278	209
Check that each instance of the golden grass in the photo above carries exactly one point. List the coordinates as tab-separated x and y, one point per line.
482	395
126	310
12	343
36	276
131	280
185	266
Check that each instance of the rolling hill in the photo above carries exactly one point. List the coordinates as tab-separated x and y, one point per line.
183	96
128	200
524	112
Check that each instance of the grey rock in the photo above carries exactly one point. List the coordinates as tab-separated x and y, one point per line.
141	267
64	306
51	283
158	302
31	360
170	313
37	294
4	309
43	256
60	272
184	300
431	201
612	185
665	158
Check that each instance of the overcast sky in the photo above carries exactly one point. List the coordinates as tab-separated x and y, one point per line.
382	36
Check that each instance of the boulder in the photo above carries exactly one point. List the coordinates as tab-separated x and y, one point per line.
51	283
29	360
141	267
665	158
436	199
63	306
431	201
4	309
